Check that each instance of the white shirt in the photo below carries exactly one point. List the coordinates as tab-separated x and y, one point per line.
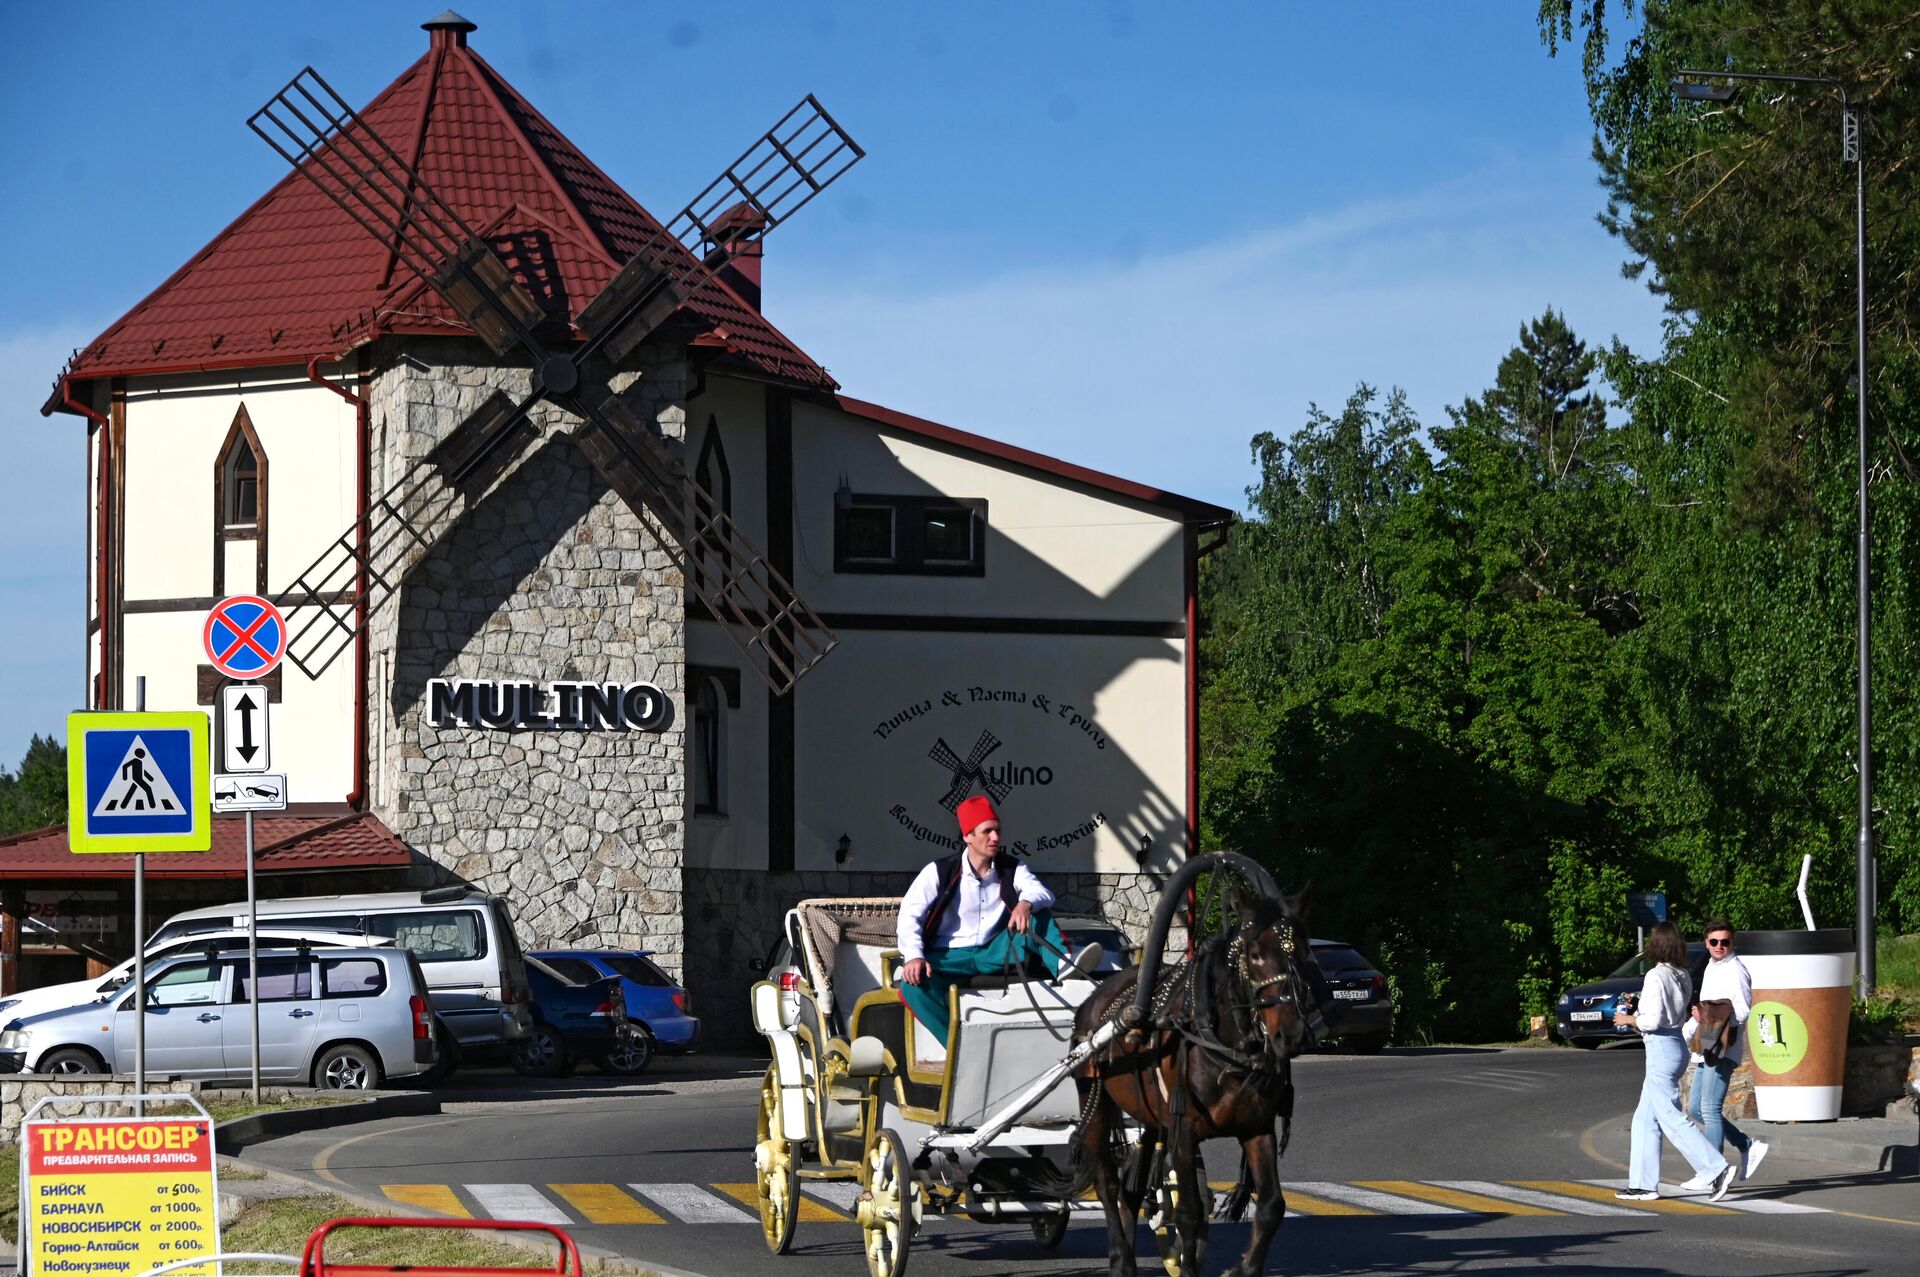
976	910
1729	978
1663	999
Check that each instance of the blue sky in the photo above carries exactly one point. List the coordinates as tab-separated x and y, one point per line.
1129	235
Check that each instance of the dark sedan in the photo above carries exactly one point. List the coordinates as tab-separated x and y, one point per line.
1362	1012
571	1019
1584	1014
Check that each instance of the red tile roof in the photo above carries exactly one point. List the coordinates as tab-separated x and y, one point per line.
295	277
322	838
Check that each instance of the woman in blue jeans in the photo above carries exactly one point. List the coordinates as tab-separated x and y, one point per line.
1661	1013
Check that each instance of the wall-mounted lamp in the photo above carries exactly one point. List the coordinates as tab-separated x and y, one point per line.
1146	848
842	850
843	496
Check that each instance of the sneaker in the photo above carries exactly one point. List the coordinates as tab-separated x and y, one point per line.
1723	1181
1751	1159
1086	961
1638	1194
1698	1184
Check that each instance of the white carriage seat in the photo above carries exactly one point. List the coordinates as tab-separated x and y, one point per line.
1005	1043
856	973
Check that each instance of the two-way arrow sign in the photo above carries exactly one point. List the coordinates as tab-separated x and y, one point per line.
243	728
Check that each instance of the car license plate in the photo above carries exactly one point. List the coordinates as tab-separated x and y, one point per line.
1584	1017
1357	995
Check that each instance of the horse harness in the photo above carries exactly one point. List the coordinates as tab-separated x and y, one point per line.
1195	1026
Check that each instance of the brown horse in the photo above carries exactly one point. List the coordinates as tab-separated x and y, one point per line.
1210	1058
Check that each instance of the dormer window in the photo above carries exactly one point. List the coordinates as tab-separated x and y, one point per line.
240	510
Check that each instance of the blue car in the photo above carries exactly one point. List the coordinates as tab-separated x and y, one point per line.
656	1006
1584	1014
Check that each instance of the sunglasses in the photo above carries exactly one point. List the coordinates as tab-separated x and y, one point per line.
1719	944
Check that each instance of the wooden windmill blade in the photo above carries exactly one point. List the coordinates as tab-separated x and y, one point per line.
805	152
781	637
314	129
330	145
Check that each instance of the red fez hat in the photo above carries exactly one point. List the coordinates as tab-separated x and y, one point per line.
973	811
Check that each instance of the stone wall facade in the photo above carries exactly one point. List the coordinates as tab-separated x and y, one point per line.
733	917
538	574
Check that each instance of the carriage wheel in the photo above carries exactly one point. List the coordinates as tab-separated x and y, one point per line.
1162	1209
885	1208
776	1171
1049	1230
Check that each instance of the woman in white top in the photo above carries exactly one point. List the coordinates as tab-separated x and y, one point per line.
1662	1012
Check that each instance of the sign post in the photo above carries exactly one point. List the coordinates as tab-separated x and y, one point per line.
245	636
1645	908
137	783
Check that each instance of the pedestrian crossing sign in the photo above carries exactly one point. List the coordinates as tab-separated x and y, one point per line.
139	782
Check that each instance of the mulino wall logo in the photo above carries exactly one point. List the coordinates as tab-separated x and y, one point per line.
965	759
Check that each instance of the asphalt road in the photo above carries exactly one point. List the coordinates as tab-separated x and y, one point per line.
1431	1161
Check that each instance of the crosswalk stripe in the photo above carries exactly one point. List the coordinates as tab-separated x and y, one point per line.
691	1204
1490	1084
1552	1201
516	1201
809	1210
1479	1203
605	1204
832	1201
433	1197
1769	1206
1752	1205
1384	1203
1298	1203
840	1192
1307	1204
1597	1193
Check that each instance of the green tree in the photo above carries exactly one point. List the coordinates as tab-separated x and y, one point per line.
35	796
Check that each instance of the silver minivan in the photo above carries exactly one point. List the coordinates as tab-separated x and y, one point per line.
476	977
342	1019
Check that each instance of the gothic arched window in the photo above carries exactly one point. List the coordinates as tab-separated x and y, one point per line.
240	510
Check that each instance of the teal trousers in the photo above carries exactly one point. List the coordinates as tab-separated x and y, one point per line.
928	999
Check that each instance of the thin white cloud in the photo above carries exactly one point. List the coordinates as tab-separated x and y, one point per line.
1164	369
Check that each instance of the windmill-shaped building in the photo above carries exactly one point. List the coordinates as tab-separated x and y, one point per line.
604	598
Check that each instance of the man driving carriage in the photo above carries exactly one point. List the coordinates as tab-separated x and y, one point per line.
977	912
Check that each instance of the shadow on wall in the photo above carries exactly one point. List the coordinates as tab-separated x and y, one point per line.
455	602
1052	610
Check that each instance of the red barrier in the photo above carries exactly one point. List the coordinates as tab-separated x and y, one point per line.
313	1262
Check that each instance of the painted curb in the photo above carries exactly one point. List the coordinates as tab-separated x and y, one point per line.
236	1134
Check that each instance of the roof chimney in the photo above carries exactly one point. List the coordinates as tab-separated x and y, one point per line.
742	271
448	31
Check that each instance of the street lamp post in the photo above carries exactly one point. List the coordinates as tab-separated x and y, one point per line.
1700	86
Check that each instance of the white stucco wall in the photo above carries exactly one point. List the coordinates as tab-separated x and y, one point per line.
1053	549
174	429
1089	780
1091	735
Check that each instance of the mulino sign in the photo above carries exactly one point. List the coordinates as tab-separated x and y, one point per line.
564	706
965	757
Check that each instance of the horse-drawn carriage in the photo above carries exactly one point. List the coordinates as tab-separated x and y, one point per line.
1049	1083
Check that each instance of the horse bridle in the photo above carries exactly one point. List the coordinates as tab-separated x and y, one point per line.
1290	977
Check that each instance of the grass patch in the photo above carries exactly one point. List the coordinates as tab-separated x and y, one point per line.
283	1224
1897	962
225	1109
